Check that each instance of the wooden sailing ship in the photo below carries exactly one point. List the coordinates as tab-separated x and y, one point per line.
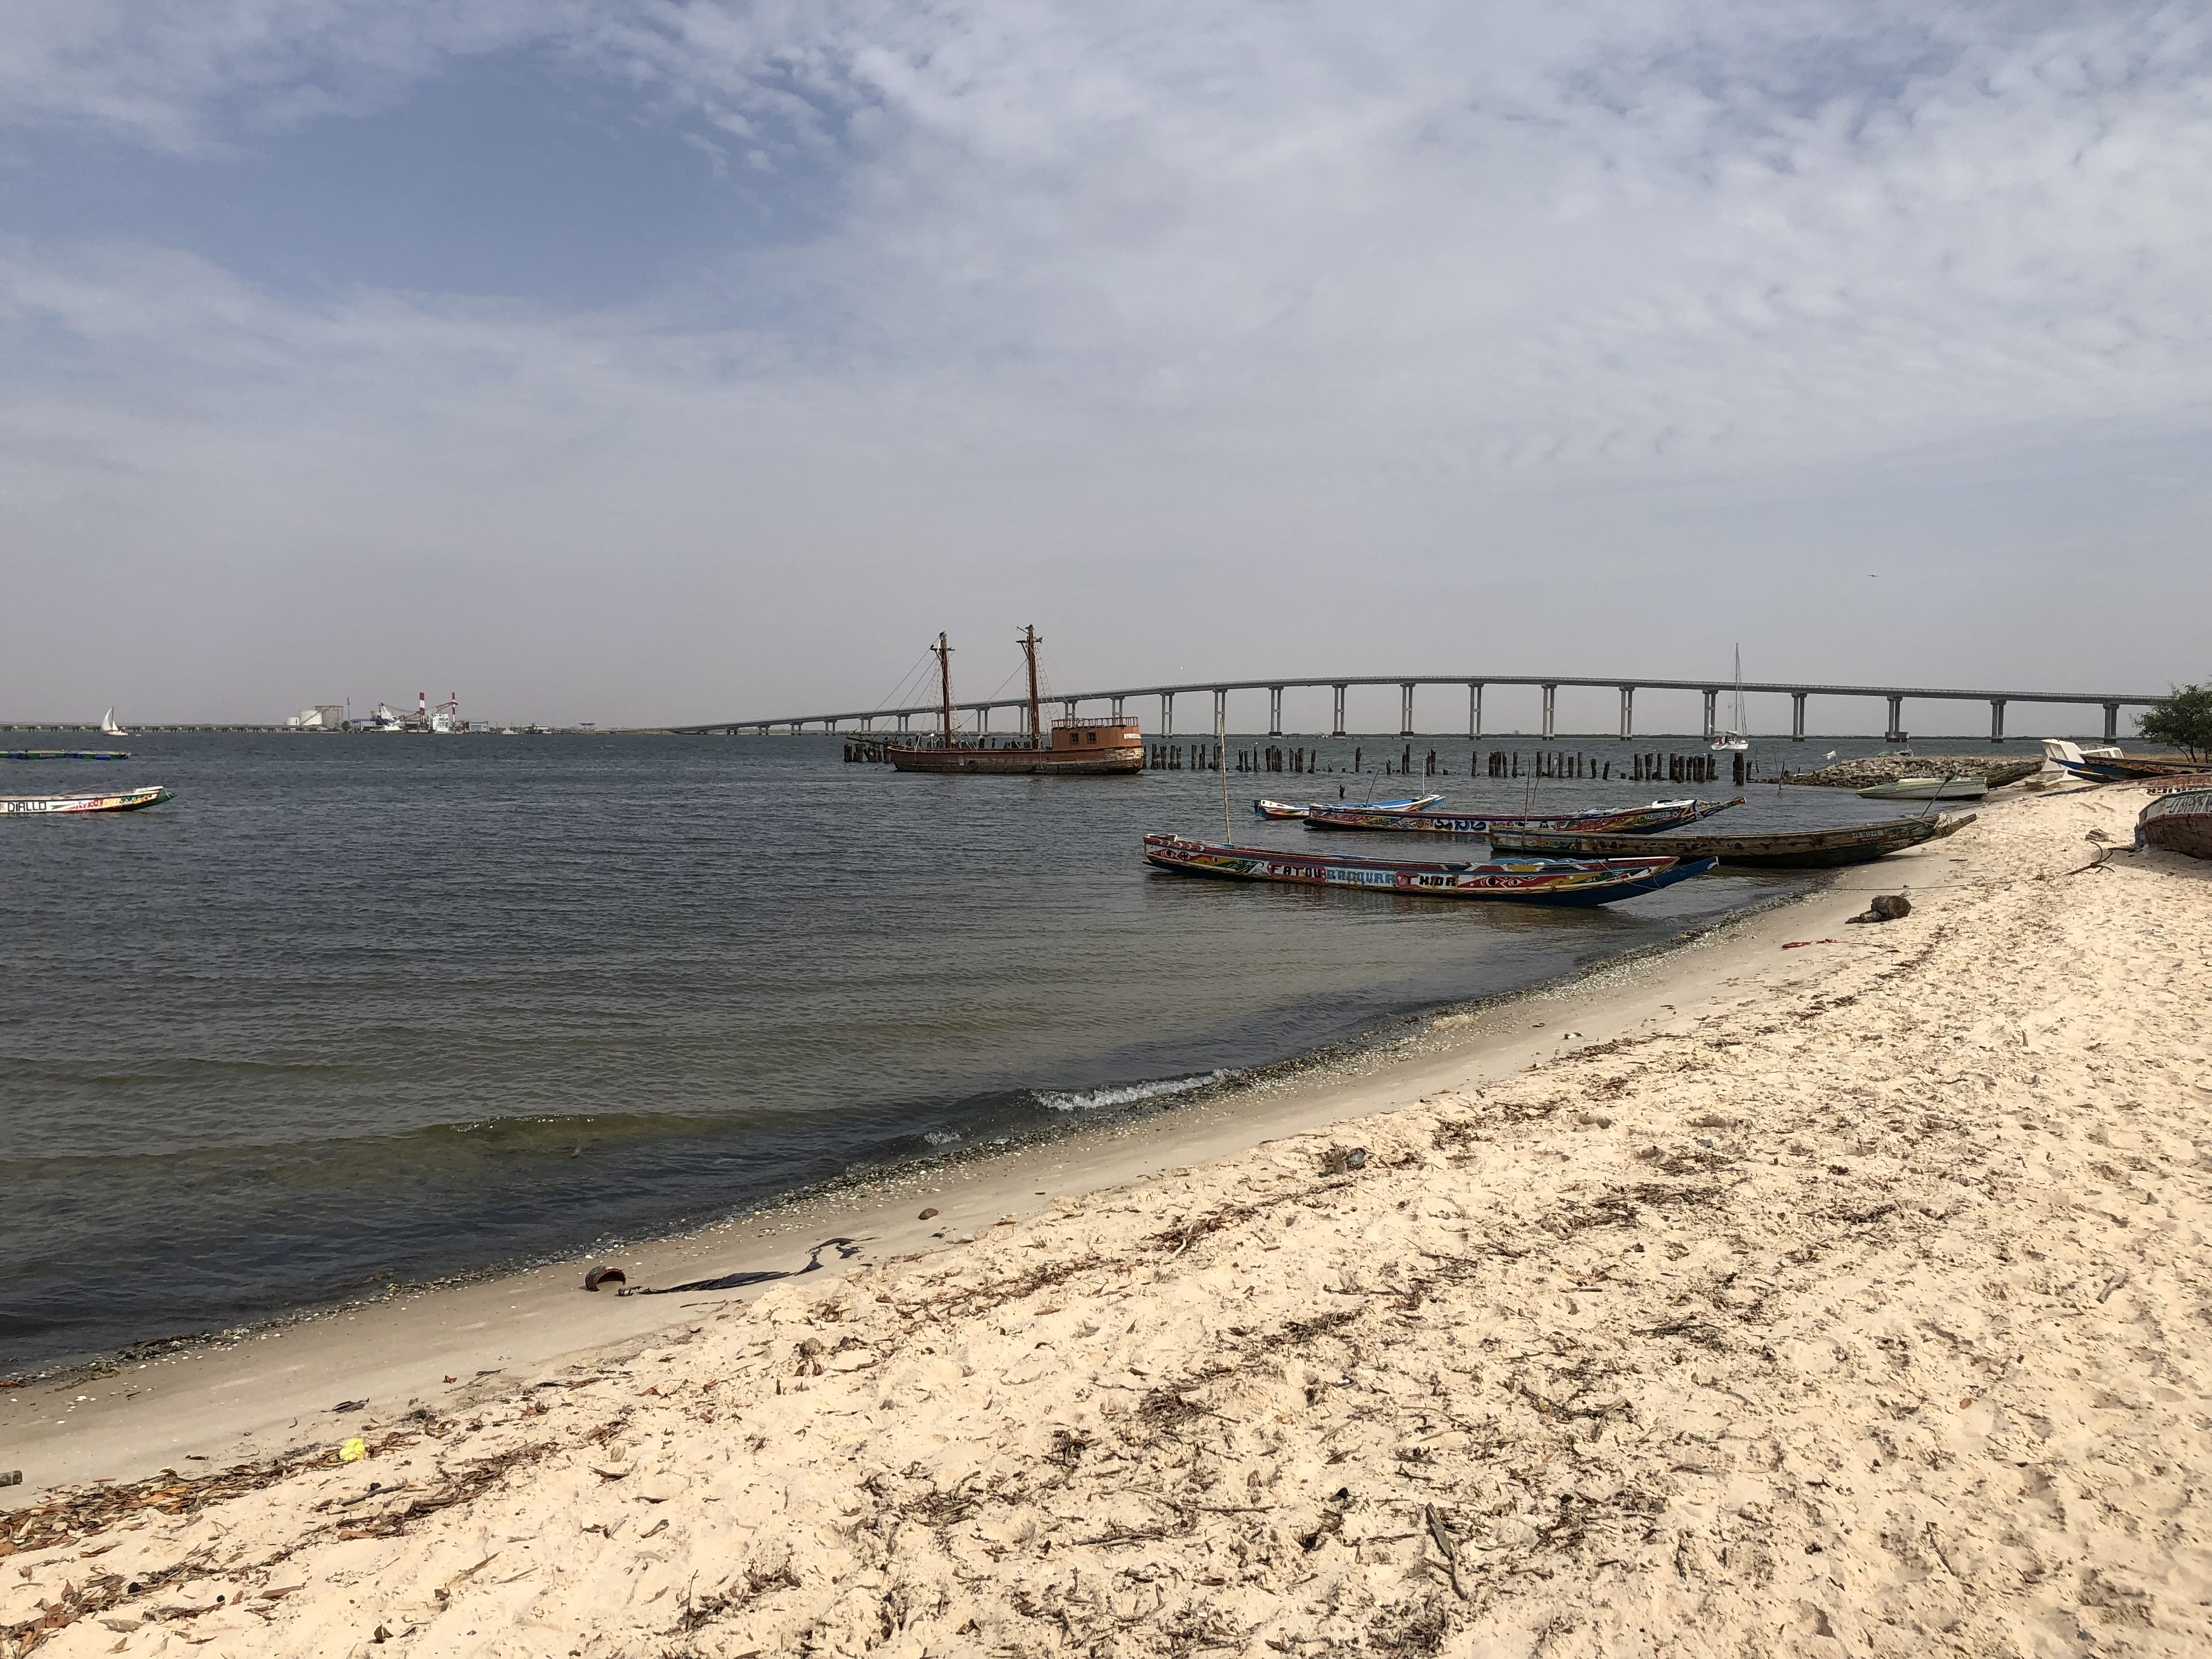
1511	881
1630	821
1781	849
1073	748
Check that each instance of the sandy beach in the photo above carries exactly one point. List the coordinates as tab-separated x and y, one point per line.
1815	1288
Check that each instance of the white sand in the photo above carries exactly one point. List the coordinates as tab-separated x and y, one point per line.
1851	1300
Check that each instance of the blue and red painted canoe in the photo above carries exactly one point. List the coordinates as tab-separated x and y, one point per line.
1512	881
1630	821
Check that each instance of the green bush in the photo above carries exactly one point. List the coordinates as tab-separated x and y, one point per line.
2184	719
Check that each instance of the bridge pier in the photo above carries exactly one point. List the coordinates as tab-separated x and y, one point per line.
1996	719
982	719
1896	733
903	719
1712	703
1474	708
2112	722
1337	729
1116	701
1797	717
1550	700
1627	712
1275	710
1221	708
1068	708
1167	713
1405	709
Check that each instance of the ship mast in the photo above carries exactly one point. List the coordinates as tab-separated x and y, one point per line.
944	679
1029	650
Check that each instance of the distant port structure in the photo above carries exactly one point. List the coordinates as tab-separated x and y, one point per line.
867	720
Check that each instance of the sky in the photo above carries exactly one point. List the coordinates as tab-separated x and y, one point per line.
670	360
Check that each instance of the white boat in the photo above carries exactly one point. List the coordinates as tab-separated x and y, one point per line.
1734	739
108	728
1928	789
1283	809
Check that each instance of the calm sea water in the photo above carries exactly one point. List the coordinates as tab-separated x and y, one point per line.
362	1006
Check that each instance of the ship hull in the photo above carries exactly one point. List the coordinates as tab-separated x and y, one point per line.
1019	763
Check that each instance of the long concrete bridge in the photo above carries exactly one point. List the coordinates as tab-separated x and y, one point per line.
865	719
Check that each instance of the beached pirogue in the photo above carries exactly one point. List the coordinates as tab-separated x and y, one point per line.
1778	849
128	800
1630	821
1513	881
2179	818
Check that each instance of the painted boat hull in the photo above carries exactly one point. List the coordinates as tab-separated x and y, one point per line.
2179	821
2126	768
1928	789
1634	821
65	754
127	800
1286	810
1554	882
1795	849
1019	763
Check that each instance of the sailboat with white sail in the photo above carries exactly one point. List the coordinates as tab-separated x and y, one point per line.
1736	738
108	728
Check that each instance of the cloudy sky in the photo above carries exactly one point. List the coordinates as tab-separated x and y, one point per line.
666	360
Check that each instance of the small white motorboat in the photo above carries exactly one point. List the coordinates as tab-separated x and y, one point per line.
1928	789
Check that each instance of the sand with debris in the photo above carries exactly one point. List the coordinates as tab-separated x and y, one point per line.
1858	1306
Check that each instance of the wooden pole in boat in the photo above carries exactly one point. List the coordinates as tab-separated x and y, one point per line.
945	680
1029	650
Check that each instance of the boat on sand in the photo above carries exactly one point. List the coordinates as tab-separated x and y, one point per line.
1512	881
2178	821
128	800
1928	789
1630	821
1780	849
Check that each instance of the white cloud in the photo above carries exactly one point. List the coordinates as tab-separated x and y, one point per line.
1250	282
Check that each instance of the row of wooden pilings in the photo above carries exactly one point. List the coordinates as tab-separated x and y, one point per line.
1652	768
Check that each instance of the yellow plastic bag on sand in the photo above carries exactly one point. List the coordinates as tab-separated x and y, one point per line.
352	1452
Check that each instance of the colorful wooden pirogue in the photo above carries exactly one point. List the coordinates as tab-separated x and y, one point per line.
1283	808
1076	748
1633	821
1514	881
2178	821
1781	849
128	800
64	754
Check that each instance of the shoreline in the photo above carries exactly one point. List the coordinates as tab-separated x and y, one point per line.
1339	1060
1813	1290
234	1413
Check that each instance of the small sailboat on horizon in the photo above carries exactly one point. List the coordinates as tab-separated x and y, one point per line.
1736	738
108	728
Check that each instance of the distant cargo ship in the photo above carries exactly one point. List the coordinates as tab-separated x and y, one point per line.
1074	748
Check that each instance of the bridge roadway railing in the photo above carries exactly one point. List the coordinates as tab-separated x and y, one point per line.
1896	696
